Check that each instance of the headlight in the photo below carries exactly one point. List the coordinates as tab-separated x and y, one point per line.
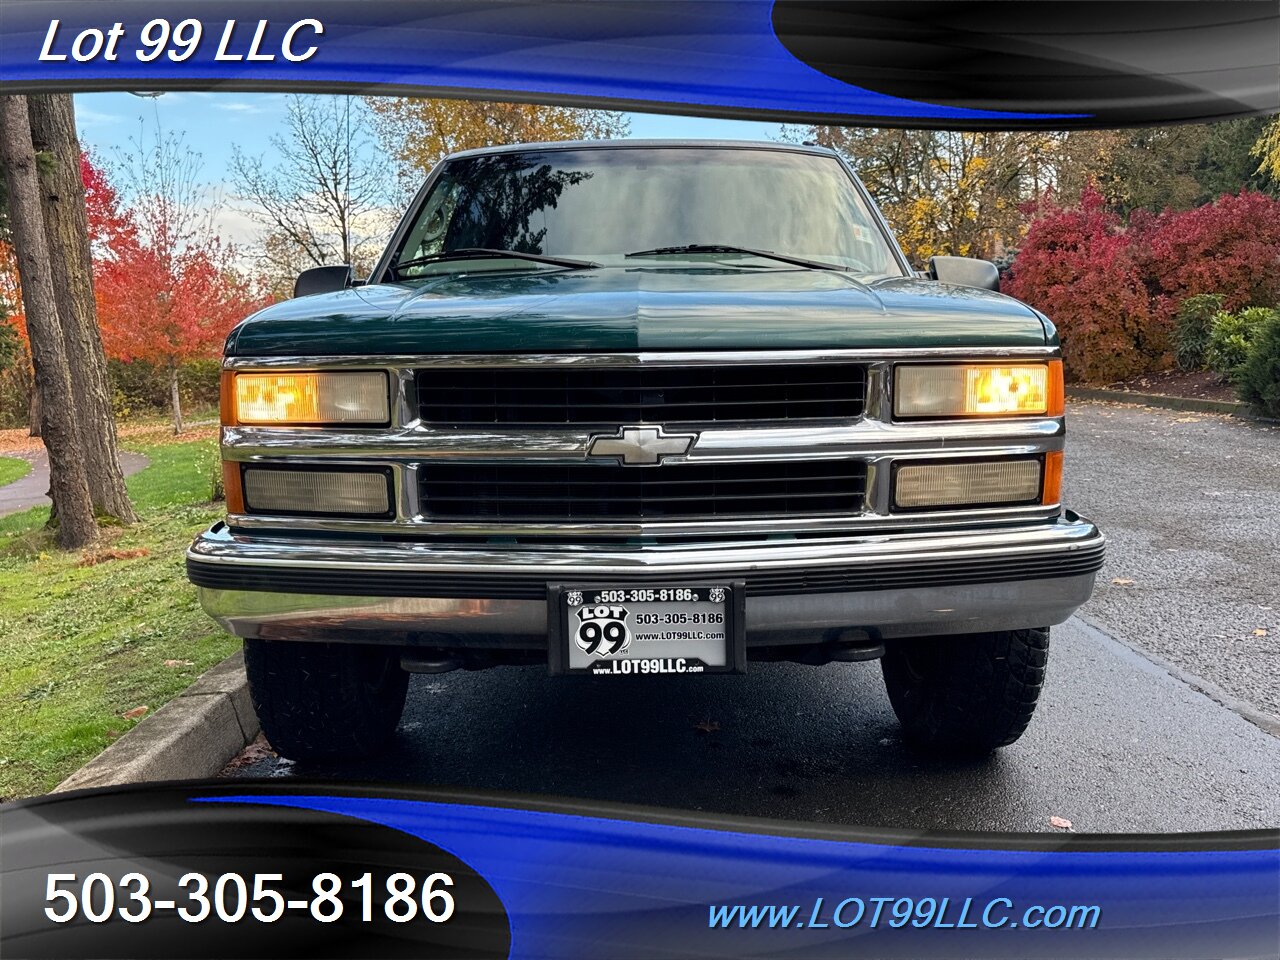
978	390
351	397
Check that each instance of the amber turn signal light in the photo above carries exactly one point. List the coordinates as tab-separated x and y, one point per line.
1051	489
232	487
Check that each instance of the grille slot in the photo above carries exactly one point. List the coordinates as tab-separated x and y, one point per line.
712	393
611	492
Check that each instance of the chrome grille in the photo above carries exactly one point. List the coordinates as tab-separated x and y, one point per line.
672	491
702	393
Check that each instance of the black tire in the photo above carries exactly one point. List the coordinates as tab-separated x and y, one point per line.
967	694
324	700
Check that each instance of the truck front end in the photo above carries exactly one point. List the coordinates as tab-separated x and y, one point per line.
527	441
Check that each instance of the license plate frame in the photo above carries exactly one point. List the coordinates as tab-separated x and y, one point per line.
565	658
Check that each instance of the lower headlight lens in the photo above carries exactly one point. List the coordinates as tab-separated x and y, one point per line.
971	483
354	397
365	493
978	390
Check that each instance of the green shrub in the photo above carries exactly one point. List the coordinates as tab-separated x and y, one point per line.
1191	328
139	387
1230	336
1258	378
210	464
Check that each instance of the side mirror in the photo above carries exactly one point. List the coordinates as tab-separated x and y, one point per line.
322	280
965	272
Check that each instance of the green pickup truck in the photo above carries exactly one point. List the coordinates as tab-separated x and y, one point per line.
629	409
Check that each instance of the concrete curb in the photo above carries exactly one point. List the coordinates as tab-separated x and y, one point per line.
1229	407
192	736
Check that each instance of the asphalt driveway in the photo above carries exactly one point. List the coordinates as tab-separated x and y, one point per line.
1192	506
1118	745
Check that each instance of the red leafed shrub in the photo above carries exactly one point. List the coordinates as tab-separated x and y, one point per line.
1231	247
1113	290
1077	266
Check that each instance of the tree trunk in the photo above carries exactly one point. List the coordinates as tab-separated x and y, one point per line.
69	487
175	401
33	411
53	131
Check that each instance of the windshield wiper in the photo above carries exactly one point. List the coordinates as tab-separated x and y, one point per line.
726	248
490	253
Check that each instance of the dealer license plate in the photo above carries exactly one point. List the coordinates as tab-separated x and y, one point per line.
670	629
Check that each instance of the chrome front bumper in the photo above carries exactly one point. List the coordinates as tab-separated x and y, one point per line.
797	590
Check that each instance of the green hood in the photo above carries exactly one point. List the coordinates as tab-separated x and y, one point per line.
621	309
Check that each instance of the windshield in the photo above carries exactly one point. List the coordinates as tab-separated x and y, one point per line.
601	204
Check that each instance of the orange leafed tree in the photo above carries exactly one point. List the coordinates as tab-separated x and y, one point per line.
170	310
167	286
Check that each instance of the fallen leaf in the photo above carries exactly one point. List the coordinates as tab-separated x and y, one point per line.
1187	420
706	726
258	750
1259	632
178	663
135	713
1060	823
102	556
1122	582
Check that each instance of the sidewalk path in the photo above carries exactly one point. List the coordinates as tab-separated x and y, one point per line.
31	490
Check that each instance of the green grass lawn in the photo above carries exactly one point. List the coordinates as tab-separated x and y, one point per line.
83	642
13	468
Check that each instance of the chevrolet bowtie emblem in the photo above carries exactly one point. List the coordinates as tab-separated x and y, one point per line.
641	446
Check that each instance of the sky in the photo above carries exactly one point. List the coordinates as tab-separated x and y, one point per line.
213	123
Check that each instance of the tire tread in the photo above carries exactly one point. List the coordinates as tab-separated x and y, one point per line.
972	693
318	701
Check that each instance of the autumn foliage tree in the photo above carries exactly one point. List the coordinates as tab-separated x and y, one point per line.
946	192
168	287
168	311
107	224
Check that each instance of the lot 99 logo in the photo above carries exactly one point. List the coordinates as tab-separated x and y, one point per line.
602	631
182	40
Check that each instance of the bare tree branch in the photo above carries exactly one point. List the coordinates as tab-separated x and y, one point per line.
324	197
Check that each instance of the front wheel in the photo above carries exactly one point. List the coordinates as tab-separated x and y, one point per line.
966	694
317	701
